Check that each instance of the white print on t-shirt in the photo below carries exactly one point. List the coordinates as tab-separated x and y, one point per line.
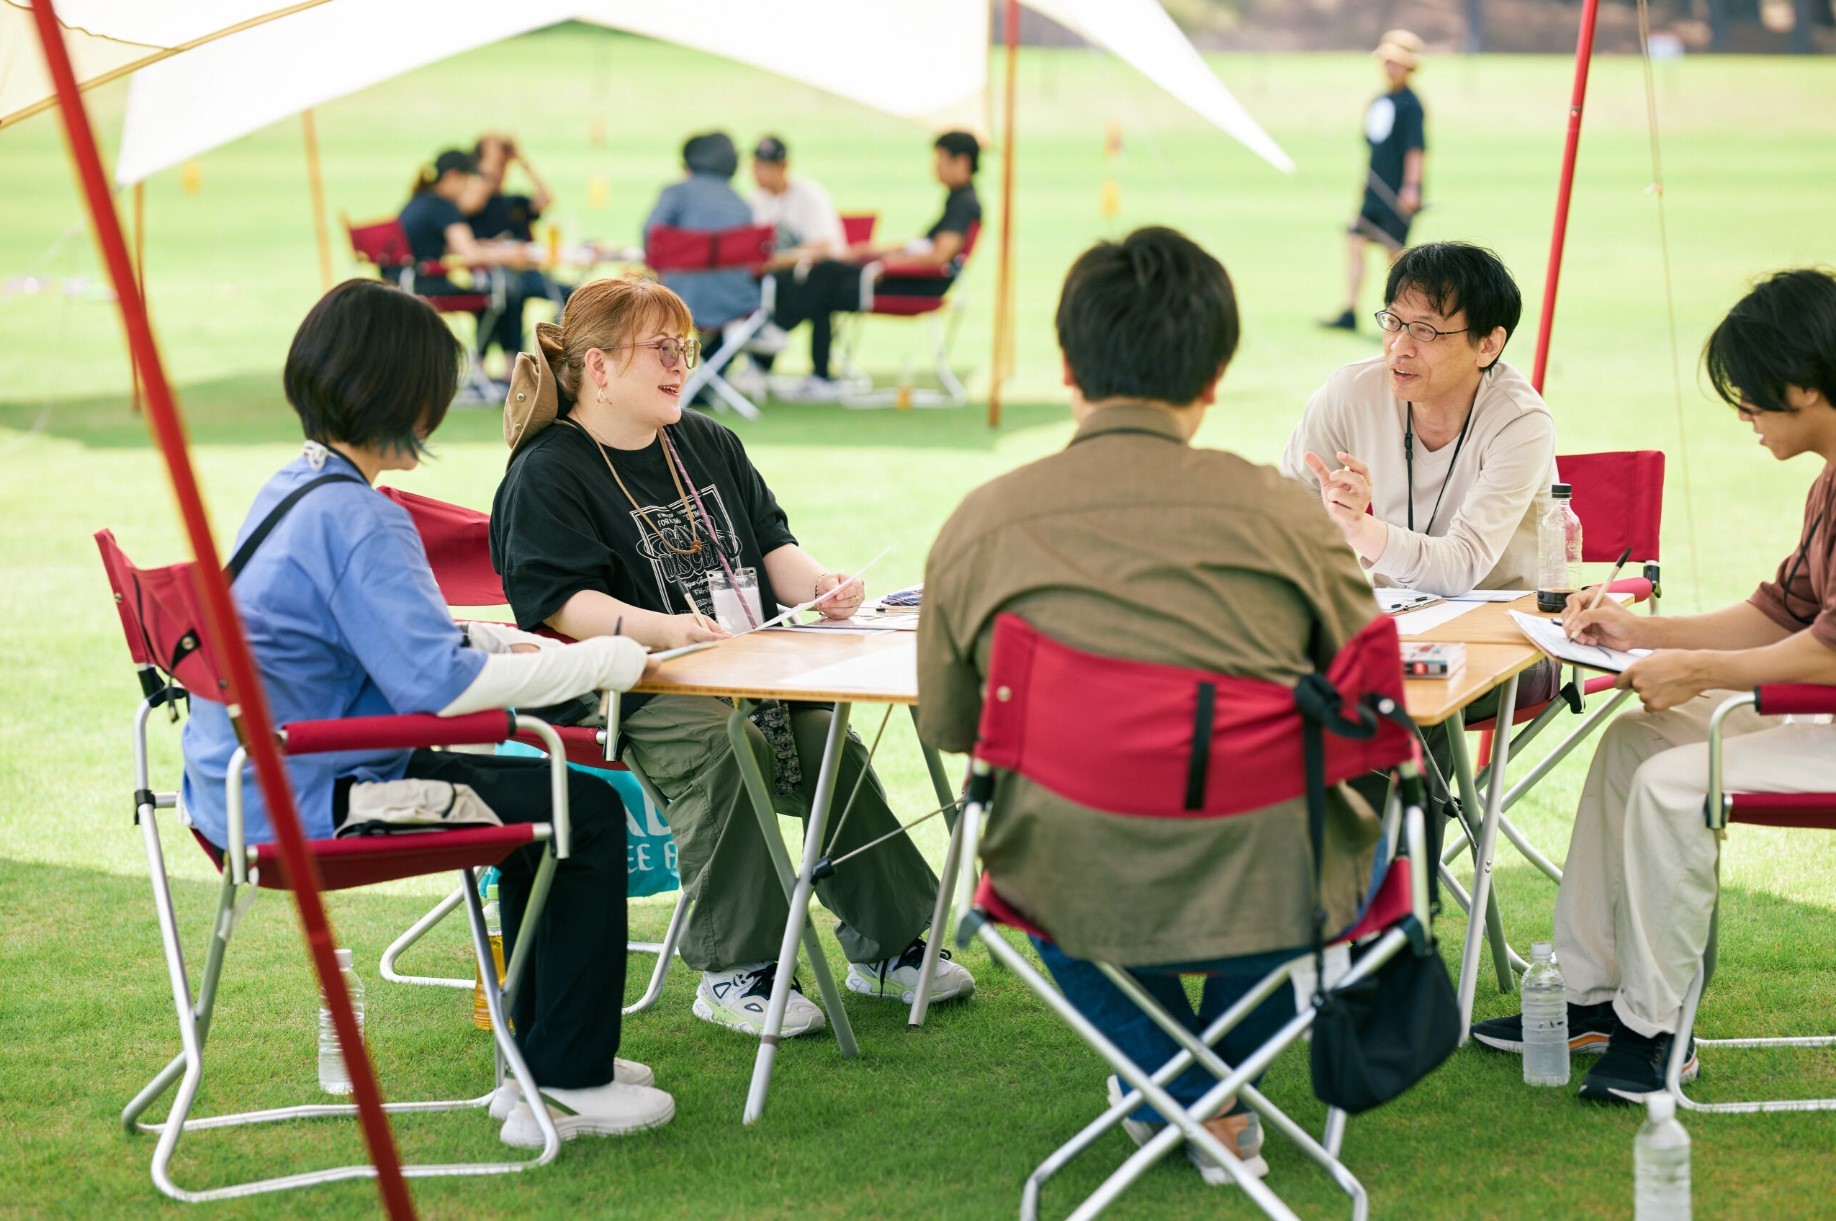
675	528
1380	120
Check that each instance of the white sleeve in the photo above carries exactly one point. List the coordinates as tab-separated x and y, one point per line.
498	637
552	675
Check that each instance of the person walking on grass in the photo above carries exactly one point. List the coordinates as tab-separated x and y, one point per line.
1393	127
1636	909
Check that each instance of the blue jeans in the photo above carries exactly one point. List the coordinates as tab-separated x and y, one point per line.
1137	1037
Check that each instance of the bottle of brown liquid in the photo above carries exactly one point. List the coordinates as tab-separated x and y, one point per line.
1558	550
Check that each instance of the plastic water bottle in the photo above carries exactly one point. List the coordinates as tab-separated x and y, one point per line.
1660	1161
334	1078
1558	550
494	927
1545	1019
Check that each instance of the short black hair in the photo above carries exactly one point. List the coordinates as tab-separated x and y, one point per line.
1781	334
961	144
1152	316
372	365
1456	276
711	152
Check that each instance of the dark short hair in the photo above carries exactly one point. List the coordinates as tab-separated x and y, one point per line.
372	365
1152	316
1456	276
711	152
455	159
961	144
1781	334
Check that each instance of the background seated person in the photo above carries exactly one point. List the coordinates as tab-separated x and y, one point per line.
512	217
613	519
704	201
1134	543
434	221
809	231
1449	448
814	294
345	620
1634	913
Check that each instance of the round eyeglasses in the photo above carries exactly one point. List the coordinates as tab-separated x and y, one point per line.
669	351
1421	331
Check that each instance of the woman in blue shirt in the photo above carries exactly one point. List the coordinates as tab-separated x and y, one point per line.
434	221
345	620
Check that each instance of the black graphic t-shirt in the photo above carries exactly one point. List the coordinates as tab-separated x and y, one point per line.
1393	129
560	525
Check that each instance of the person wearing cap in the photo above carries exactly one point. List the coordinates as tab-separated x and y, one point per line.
809	232
434	221
704	201
1393	182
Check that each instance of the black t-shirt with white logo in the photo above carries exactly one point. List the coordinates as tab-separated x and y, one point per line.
1393	128
560	524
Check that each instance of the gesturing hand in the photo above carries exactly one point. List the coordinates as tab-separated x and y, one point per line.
1346	492
843	604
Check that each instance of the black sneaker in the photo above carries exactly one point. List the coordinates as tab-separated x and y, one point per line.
1589	1029
1344	322
1633	1067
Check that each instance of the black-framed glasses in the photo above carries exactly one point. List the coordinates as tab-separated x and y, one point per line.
669	351
1421	331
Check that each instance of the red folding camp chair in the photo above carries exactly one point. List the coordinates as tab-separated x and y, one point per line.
881	283
384	245
859	226
1619	497
1803	810
161	618
1172	742
458	545
669	249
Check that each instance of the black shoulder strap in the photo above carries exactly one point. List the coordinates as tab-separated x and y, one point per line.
246	552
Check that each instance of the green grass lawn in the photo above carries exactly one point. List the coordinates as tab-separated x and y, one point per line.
948	1121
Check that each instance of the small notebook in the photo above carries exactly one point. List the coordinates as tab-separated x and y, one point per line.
1432	659
1547	635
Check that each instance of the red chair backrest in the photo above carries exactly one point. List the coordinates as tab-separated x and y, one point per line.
1134	738
383	243
458	544
162	618
671	249
859	227
1619	498
970	234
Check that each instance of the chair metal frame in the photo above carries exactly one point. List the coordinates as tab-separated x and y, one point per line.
1803	810
981	912
747	246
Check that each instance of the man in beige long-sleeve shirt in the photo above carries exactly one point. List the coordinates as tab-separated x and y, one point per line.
1448	447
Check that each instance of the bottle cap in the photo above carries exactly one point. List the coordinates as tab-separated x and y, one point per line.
1660	1107
1561	489
1541	951
344	957
491	893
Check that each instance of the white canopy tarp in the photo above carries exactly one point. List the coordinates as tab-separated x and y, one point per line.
923	59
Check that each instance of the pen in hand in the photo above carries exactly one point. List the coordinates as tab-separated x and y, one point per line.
1601	589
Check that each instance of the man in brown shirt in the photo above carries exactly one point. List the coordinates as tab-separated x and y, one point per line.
1135	544
1638	893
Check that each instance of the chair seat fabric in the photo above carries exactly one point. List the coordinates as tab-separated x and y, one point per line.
365	860
1812	811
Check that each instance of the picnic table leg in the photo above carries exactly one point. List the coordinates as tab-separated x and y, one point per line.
946	884
1483	908
798	886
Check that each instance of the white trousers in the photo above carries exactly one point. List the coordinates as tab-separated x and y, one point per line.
1638	889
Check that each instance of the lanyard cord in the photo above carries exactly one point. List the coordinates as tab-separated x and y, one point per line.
670	453
1408	453
1791	574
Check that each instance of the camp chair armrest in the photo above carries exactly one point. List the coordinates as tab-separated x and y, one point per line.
1638	587
395	732
915	271
1801	699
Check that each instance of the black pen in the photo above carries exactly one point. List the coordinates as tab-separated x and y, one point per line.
618	626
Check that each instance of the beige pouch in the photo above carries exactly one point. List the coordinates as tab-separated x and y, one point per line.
398	807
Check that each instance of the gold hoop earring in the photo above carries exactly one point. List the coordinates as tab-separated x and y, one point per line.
601	395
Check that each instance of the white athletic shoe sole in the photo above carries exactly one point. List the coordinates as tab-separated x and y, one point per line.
798	1019
645	1109
625	1072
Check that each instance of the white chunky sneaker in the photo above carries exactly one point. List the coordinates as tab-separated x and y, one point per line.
625	1072
896	979
737	999
613	1109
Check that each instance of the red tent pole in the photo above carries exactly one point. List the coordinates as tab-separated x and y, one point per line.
220	614
1004	273
1584	54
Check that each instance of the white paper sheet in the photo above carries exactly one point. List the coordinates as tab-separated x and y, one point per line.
1390	601
1492	595
793	611
1547	635
1414	623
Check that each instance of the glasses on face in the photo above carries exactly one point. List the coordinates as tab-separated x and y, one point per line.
1421	331
669	351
